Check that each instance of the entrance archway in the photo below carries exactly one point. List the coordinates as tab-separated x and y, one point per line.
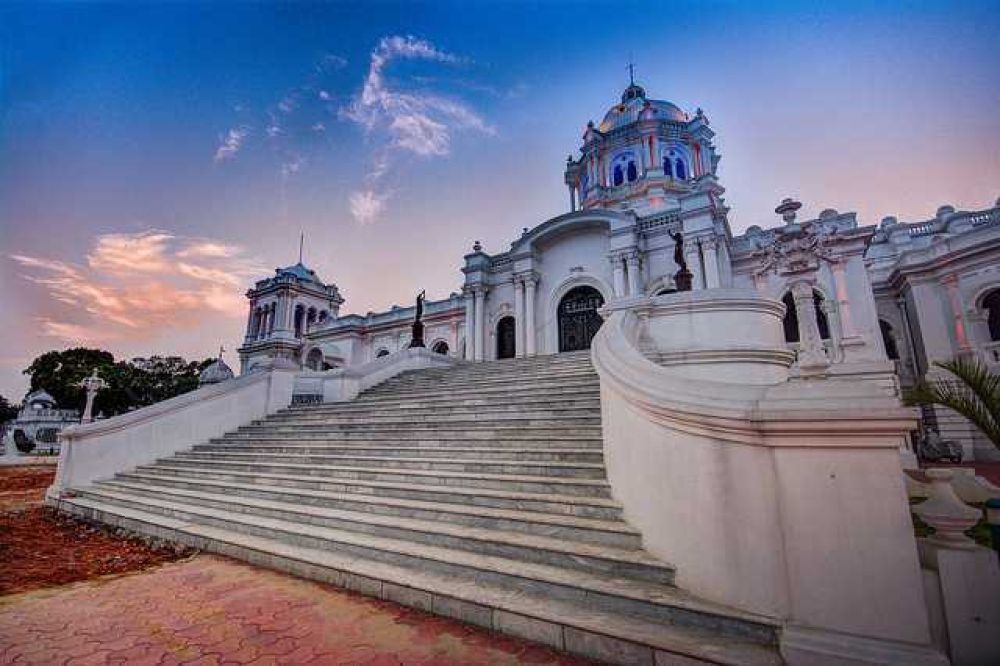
506	342
578	318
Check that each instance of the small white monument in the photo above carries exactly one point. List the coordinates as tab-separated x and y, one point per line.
91	385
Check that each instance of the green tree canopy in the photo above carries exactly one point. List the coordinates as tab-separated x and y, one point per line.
7	410
131	384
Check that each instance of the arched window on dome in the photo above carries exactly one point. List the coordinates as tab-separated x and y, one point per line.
681	170
668	167
623	168
675	164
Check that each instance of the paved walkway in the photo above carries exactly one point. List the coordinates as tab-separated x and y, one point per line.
210	610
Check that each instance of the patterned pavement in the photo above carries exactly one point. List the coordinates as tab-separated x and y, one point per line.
211	610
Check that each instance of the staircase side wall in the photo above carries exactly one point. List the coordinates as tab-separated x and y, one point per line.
104	448
785	500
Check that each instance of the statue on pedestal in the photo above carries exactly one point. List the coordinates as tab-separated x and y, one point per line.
91	385
417	336
682	278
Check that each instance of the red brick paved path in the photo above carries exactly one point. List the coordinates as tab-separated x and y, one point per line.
211	610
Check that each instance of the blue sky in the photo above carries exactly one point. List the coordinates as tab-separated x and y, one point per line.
155	158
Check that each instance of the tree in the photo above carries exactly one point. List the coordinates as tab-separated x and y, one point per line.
974	393
134	384
8	411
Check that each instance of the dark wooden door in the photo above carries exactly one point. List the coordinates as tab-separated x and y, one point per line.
578	318
506	342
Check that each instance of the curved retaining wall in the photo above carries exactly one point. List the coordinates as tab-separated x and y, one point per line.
772	494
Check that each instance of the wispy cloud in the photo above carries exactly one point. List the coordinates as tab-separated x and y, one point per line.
367	205
231	143
140	285
403	118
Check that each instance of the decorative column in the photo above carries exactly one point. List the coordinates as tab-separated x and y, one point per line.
518	316
634	278
812	356
250	323
529	320
693	258
950	283
618	270
843	303
480	322
709	249
470	325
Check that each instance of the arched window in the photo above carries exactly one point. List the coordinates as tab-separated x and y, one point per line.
992	306
440	347
681	171
632	172
619	176
314	360
381	352
888	340
821	321
791	320
668	167
300	314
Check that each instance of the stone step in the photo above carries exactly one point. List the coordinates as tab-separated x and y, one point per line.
472	386
495	411
481	415
518	483
449	406
449	438
526	395
570	610
612	532
492	429
522	546
583	506
552	454
576	470
453	379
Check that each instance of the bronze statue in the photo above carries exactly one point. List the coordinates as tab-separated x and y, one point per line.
679	249
417	335
683	278
420	305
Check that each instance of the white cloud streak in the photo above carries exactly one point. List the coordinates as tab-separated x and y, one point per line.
137	286
408	121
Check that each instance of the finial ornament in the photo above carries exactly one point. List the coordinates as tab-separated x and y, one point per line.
631	72
477	247
302	240
787	209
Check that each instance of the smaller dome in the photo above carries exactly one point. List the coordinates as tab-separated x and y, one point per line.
214	373
40	399
299	271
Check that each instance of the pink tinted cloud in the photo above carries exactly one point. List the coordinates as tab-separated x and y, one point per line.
141	285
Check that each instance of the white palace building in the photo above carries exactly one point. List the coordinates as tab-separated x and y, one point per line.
632	436
857	297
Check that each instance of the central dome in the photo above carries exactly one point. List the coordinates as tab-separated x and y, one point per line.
634	106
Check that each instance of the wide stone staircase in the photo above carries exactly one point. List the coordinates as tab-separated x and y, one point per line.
476	492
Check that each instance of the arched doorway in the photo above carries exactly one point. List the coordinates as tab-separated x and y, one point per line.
578	318
506	344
